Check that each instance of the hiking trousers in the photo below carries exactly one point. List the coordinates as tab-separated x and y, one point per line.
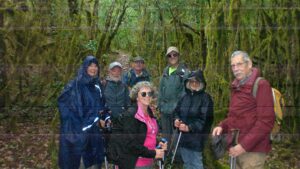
251	160
191	159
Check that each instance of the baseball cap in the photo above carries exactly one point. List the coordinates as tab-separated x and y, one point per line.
172	48
138	58
114	64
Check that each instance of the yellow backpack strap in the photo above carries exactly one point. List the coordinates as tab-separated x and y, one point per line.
278	104
255	86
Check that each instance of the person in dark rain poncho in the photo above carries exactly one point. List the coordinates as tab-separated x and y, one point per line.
194	117
80	104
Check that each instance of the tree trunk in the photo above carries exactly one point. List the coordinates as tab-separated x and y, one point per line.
116	27
73	8
95	20
3	78
106	28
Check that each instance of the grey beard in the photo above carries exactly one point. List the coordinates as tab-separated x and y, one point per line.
116	79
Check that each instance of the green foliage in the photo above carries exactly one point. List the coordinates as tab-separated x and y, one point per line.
44	44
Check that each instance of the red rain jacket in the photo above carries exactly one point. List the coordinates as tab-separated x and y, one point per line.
254	117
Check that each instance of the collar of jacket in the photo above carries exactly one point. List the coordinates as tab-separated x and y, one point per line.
192	92
248	85
144	73
133	110
179	71
113	80
140	115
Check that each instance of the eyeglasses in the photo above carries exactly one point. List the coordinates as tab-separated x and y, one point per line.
173	55
237	65
149	94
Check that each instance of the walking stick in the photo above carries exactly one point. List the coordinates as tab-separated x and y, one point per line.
178	140
106	162
161	162
235	135
172	140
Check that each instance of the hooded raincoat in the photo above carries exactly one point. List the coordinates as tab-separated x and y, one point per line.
195	109
79	104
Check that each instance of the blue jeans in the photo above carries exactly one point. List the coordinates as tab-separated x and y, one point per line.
191	159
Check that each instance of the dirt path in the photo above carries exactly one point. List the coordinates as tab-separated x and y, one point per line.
124	59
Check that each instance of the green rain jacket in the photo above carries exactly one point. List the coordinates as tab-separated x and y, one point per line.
171	88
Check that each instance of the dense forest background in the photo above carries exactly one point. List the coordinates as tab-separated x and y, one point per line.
43	42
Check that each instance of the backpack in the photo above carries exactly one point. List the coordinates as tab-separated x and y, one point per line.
278	107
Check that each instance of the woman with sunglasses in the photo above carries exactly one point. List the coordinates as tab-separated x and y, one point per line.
140	131
194	117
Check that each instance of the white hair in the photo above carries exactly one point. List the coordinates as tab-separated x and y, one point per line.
136	88
245	55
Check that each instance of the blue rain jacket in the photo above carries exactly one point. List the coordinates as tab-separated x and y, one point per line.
79	104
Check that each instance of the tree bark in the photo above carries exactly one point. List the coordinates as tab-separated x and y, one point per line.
116	27
95	20
106	28
73	8
3	77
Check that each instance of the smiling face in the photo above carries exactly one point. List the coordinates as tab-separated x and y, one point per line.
145	96
173	58
138	65
92	70
240	67
115	72
194	84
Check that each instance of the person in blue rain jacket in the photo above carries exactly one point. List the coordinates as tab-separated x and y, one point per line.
79	105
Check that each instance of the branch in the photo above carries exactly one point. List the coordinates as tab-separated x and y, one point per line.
116	27
190	28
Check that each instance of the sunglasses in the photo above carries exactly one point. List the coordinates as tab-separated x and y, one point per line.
149	94
173	55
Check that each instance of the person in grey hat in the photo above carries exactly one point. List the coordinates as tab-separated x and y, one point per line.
137	73
171	89
116	93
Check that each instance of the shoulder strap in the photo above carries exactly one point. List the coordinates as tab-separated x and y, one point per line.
255	86
129	74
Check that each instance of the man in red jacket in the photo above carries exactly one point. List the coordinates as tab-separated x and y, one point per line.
252	116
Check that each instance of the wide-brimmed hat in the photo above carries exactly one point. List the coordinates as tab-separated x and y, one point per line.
171	49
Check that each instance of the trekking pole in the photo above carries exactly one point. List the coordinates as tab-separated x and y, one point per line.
106	162
161	162
173	137
235	135
105	152
164	140
178	140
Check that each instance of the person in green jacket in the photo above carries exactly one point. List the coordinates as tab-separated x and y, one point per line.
171	89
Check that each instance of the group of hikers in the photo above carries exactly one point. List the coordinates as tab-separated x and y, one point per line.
114	118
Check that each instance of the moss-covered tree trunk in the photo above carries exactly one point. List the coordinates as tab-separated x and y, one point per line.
3	63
